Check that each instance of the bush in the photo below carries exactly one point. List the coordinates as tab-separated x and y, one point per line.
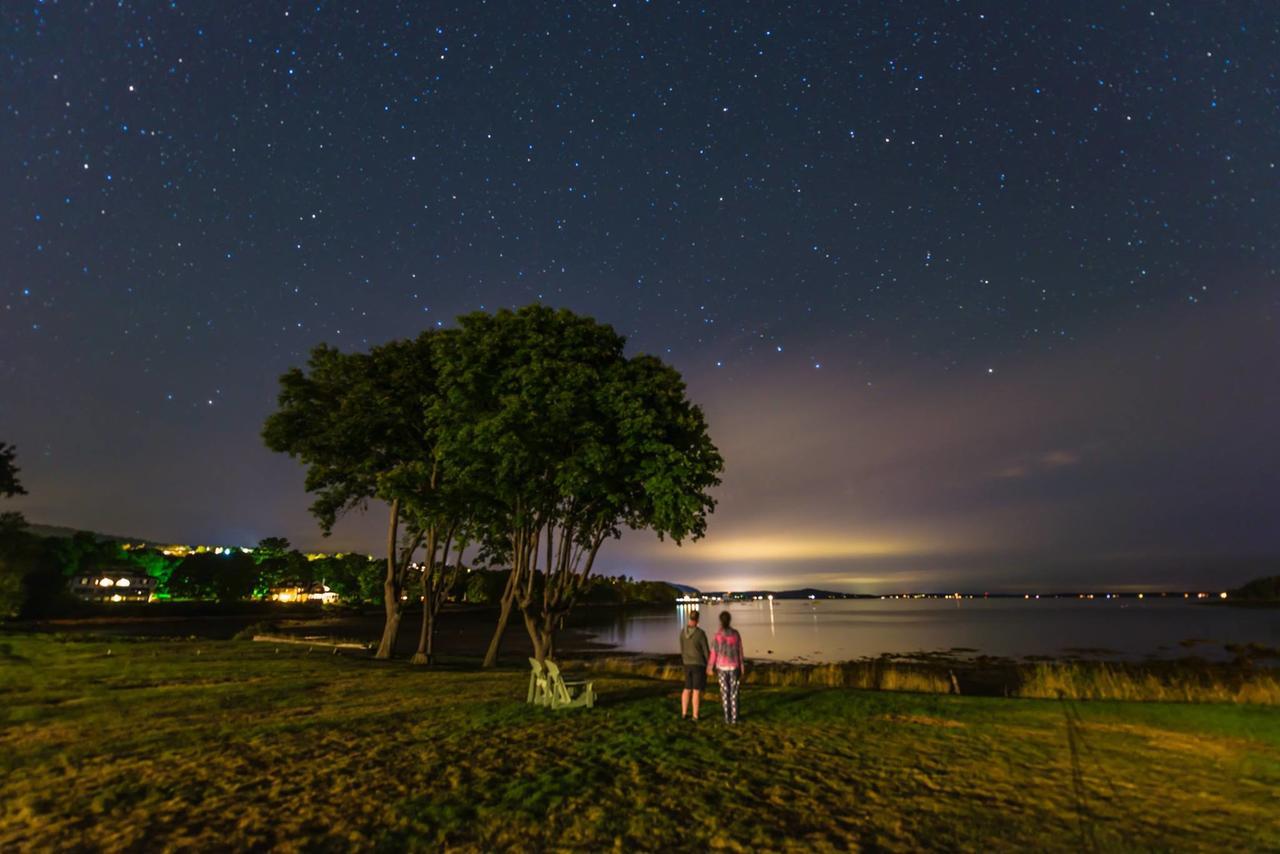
248	633
32	583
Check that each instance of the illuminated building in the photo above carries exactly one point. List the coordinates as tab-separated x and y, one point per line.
113	584
297	591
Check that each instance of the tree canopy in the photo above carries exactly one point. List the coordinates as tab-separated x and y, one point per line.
357	422
527	433
563	442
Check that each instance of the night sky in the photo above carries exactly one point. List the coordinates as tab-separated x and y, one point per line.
976	295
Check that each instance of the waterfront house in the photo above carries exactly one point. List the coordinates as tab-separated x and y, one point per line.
117	583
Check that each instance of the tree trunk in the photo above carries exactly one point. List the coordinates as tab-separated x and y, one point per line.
428	601
423	655
535	635
389	632
431	639
519	566
558	601
391	589
549	637
504	613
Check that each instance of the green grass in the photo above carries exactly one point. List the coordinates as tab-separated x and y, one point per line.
232	744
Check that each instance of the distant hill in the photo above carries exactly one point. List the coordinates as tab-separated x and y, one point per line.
65	532
1259	590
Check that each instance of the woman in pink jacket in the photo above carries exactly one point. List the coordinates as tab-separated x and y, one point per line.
729	665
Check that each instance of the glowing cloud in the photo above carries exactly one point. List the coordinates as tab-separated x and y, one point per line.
799	547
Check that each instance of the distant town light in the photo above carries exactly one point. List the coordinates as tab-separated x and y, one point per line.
106	582
1222	595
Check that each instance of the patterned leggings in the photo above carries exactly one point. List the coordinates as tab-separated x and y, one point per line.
729	681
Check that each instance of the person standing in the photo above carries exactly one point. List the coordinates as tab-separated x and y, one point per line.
693	652
729	664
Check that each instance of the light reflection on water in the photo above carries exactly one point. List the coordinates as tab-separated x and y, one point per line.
839	629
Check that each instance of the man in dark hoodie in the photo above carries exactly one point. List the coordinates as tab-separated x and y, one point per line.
694	650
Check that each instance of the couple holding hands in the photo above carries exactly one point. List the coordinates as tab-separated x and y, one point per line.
722	655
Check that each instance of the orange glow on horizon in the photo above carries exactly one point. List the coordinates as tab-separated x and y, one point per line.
800	548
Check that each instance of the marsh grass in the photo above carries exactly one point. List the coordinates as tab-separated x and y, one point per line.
231	745
869	675
1102	681
1177	682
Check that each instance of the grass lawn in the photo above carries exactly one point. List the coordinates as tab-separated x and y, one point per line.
232	744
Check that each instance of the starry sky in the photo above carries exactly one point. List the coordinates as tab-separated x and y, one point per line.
977	295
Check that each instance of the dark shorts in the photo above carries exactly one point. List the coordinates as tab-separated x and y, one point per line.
695	678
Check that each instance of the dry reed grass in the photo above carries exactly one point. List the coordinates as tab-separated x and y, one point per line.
868	675
1053	680
1101	681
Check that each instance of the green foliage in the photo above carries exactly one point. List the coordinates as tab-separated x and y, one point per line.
355	421
156	564
356	578
291	566
516	426
485	586
35	572
621	590
225	577
543	414
562	441
12	591
33	576
270	547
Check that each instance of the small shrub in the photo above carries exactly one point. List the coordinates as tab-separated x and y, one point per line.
260	628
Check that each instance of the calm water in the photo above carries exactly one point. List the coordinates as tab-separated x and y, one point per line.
838	629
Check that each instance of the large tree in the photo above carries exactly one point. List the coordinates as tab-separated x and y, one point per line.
567	442
647	464
356	421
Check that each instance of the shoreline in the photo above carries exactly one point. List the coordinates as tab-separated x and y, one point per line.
464	633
